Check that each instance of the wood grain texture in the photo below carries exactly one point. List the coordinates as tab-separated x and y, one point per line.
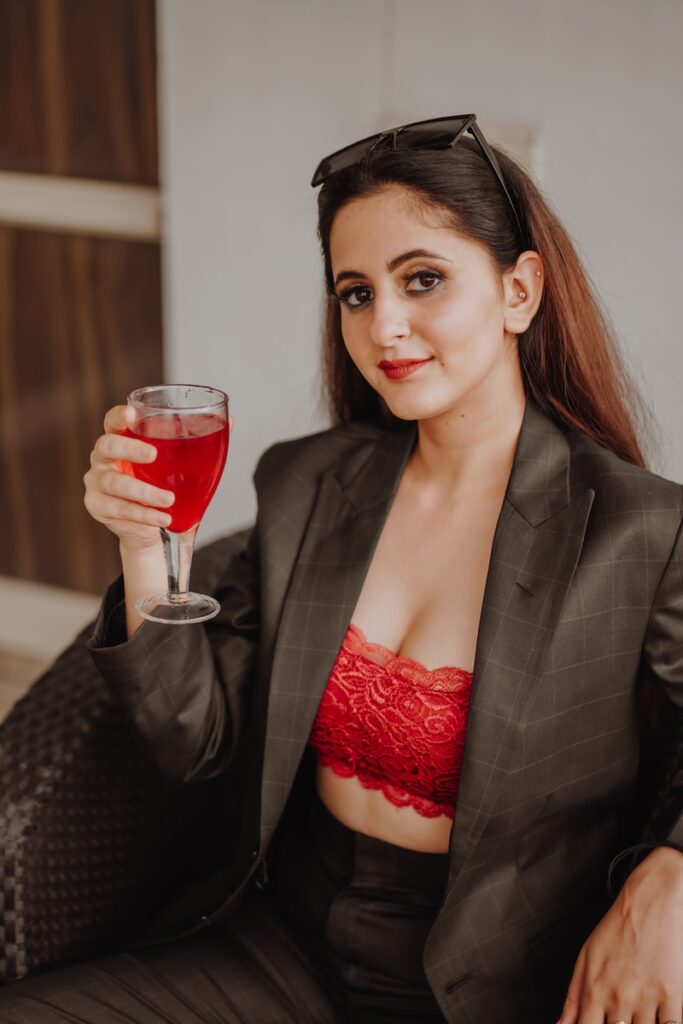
80	328
80	315
78	89
15	536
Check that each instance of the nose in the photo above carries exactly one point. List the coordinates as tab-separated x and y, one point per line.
389	320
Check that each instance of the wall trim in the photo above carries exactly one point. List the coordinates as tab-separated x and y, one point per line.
80	206
38	620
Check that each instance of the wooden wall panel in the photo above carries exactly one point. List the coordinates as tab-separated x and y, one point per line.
80	315
78	89
80	327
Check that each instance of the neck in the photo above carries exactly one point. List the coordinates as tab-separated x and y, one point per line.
470	448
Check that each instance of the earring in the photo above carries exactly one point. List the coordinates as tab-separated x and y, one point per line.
538	273
522	295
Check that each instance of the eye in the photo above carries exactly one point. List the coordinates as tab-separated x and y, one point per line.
357	291
429	278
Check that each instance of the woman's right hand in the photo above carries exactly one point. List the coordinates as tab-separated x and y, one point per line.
130	508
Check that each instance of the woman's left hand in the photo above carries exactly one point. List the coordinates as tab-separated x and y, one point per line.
630	969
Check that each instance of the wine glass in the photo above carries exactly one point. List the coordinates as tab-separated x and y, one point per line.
188	426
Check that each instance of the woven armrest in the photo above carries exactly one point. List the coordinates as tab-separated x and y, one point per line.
93	839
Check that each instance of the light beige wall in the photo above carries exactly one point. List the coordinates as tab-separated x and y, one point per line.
254	92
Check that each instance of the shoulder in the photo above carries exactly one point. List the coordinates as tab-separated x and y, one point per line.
303	459
620	487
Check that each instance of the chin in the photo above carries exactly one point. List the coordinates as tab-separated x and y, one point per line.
413	409
401	410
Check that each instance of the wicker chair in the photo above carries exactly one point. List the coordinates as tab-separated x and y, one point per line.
93	840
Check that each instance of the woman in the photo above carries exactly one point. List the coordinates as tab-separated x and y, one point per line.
428	670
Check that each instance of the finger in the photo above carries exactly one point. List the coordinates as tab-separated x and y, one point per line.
117	510
593	1012
572	1003
230	423
118	418
619	1001
119	485
113	447
670	1010
647	1016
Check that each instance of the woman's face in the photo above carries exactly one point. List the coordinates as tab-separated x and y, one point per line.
413	290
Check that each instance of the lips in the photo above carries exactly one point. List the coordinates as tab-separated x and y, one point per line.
398	368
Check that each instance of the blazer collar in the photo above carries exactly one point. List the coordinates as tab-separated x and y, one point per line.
539	483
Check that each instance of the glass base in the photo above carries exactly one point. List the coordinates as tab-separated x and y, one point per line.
177	609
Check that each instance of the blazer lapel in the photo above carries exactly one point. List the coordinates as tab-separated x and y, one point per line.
350	509
536	547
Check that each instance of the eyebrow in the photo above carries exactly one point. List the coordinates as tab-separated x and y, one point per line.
393	264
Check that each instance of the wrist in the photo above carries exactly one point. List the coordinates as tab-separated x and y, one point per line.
140	550
144	574
664	862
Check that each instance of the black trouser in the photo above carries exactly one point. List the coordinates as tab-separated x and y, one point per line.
336	936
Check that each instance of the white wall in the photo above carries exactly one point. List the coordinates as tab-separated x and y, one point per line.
254	92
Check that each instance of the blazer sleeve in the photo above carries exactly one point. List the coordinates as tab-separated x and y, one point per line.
663	668
187	688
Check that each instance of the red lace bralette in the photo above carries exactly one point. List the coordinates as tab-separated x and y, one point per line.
397	726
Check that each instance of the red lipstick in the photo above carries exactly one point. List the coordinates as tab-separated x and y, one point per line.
397	369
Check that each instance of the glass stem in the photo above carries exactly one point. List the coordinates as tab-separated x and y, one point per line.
178	550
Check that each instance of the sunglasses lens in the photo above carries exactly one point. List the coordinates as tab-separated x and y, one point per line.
342	158
435	135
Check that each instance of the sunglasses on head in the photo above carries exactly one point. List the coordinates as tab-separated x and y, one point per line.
436	133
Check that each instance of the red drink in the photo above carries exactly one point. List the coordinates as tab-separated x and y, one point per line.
191	453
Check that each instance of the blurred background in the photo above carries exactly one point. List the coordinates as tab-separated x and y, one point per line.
157	221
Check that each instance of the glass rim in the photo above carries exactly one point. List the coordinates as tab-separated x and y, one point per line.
221	398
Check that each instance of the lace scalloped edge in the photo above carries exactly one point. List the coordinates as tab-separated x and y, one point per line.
425	807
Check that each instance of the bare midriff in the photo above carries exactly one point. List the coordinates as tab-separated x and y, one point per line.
369	812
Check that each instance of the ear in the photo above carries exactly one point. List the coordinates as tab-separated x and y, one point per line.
522	289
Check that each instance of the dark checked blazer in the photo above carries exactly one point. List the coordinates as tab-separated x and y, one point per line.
582	618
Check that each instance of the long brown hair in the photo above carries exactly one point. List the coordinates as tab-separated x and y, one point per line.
569	355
